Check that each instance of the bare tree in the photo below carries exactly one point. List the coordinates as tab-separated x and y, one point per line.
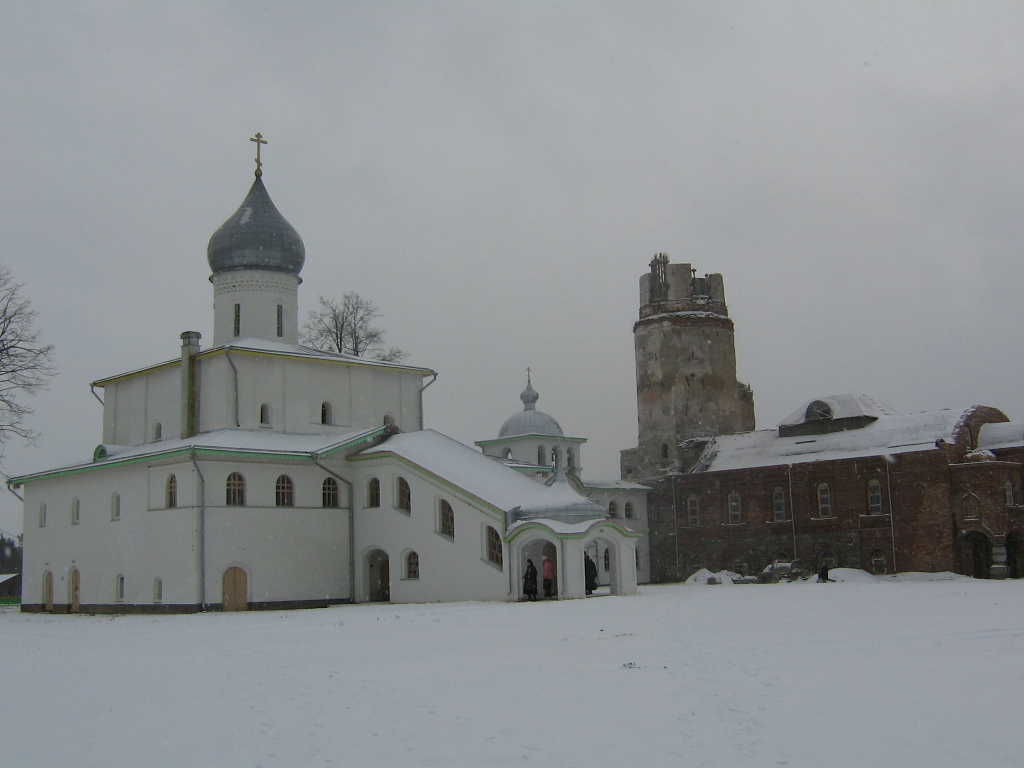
26	364
348	328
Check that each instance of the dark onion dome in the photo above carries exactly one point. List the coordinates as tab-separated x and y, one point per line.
256	236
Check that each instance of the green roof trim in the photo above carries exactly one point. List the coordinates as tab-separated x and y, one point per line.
534	525
212	451
259	353
545	438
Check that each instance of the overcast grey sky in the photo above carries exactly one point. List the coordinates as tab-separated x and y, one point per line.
497	177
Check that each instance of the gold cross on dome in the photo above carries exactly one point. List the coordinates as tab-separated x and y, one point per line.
258	138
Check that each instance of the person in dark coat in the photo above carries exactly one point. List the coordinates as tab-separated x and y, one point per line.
530	581
823	574
590	570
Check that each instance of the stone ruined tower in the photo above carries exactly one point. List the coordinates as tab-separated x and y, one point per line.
686	385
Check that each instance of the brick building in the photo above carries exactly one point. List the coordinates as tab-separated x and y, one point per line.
844	480
849	482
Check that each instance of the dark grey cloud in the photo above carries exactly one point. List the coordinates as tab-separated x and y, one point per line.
497	177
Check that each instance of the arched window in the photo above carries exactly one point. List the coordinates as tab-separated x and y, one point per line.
878	562
119	588
158	431
265	414
330	493
412	566
693	509
373	492
446	519
284	492
158	590
874	497
570	458
613	509
508	453
404	495
235	496
76	511
627	511
494	554
556	457
824	500
171	495
1009	492
735	508
542	456
42	515
607	559
115	507
778	504
971	507
326	413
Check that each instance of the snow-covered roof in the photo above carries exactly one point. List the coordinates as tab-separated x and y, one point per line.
264	346
888	434
614	485
479	475
842	407
255	442
560	501
1009	434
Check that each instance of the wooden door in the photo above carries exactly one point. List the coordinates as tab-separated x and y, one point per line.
75	581
236	590
48	591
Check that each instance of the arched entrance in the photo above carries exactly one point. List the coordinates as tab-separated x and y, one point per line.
48	592
978	555
378	569
74	589
235	589
550	551
605	554
537	550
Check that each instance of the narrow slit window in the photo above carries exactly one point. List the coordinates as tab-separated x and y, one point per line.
172	492
446	520
280	321
238	321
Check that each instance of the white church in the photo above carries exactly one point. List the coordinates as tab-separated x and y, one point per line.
258	473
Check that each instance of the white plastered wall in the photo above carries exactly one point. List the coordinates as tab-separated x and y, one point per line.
450	568
258	293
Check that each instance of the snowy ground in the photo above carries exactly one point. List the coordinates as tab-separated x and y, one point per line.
861	673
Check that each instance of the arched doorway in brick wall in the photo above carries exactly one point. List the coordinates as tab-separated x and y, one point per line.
977	555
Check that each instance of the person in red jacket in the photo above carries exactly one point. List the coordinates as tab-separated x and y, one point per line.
548	571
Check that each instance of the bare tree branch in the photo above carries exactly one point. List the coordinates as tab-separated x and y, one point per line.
26	363
348	328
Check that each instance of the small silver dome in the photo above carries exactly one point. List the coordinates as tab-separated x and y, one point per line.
257	236
530	421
